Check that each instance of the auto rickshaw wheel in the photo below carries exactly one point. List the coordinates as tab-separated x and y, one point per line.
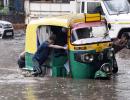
21	63
115	66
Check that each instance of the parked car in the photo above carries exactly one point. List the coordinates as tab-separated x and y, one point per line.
6	29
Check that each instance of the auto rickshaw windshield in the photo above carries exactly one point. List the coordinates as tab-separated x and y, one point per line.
81	35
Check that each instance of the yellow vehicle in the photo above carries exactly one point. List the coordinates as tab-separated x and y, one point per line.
90	53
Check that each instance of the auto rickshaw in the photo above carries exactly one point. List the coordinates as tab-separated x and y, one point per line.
90	53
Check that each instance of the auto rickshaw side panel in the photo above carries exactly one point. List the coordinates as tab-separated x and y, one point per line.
57	63
30	45
80	70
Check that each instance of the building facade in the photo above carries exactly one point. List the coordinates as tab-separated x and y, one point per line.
51	1
12	10
13	5
40	8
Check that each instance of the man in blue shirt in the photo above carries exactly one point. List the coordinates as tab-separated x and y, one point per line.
42	54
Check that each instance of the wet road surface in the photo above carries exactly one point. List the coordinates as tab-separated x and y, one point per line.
13	86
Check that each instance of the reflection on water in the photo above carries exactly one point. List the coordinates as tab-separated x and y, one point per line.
47	88
60	89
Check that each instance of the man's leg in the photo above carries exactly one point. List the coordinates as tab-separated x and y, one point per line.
36	67
43	68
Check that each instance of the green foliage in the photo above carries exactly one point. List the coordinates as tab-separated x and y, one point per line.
4	11
1	7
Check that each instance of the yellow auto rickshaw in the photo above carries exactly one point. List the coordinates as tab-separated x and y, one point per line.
90	53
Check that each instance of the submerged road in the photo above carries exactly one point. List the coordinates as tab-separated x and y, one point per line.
13	86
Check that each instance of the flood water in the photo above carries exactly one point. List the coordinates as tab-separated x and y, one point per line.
14	86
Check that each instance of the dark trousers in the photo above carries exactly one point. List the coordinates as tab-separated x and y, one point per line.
36	66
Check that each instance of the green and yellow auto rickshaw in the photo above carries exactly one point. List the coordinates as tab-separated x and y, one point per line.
90	53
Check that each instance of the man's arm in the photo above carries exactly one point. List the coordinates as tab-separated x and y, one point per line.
57	47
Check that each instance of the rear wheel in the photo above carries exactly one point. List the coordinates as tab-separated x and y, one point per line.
115	66
21	63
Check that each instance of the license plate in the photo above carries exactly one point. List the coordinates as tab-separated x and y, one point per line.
9	33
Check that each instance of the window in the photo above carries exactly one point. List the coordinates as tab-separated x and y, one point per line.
80	33
82	7
120	7
94	7
88	34
43	33
61	35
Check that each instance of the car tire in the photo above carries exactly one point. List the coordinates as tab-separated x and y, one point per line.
127	37
128	44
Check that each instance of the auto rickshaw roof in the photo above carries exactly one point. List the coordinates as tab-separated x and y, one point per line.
90	0
63	21
89	24
66	20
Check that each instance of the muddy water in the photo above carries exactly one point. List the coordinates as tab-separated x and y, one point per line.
13	86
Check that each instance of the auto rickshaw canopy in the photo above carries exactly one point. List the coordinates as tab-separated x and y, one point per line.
62	21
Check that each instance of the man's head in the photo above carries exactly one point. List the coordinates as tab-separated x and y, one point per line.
64	30
52	38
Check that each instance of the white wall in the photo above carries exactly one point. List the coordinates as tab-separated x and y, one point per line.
35	10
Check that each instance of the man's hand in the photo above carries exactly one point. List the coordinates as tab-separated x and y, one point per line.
58	47
65	48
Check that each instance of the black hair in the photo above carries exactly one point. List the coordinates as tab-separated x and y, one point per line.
52	37
64	30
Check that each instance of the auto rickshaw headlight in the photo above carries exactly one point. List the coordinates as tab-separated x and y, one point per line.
87	57
91	58
84	57
110	53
